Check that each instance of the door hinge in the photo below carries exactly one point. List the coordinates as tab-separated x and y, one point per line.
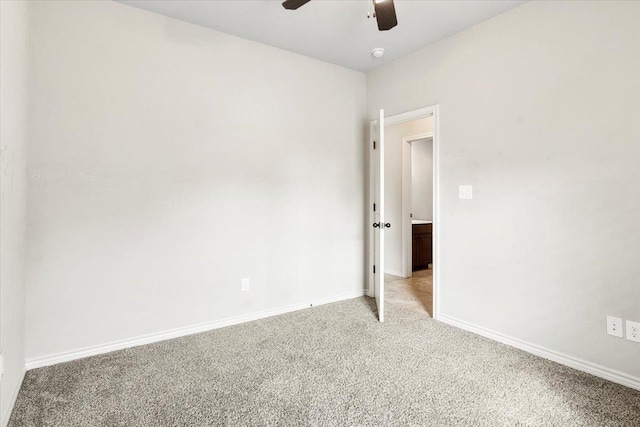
374	145
374	269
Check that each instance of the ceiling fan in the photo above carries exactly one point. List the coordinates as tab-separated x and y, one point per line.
384	11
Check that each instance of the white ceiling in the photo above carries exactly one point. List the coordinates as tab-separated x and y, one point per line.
335	31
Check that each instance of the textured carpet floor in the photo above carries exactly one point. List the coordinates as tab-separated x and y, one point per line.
324	366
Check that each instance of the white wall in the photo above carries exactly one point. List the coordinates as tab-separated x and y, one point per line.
14	19
393	135
422	179
168	161
540	112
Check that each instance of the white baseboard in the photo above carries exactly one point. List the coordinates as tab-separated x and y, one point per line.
180	332
12	403
561	358
394	272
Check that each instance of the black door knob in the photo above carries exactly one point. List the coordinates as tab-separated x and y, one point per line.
381	225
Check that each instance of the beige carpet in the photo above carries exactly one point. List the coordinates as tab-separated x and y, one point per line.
332	365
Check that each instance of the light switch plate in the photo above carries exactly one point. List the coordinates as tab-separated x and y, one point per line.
614	326
246	284
465	192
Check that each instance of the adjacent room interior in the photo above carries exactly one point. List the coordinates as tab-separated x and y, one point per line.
409	209
195	196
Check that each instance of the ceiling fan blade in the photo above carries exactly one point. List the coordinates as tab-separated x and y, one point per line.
294	4
385	14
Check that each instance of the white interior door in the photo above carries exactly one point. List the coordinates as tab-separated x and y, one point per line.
378	214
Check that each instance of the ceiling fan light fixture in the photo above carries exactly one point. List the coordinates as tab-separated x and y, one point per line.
377	52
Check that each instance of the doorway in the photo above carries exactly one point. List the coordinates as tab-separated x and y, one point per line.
409	203
397	278
417	201
412	287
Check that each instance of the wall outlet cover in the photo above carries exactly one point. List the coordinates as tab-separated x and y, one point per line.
246	284
614	326
633	331
465	192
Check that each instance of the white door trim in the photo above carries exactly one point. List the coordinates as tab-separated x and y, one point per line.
407	256
411	115
433	110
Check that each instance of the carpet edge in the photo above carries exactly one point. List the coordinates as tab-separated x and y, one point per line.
555	356
82	353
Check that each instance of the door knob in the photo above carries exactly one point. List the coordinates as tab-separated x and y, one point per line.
381	225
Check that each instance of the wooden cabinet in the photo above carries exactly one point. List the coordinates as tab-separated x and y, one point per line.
422	246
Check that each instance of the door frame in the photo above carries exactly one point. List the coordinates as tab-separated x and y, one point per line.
407	200
433	110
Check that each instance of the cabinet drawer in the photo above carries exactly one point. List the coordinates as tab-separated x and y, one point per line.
422	228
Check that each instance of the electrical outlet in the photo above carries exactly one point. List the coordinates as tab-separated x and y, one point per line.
633	331
614	326
465	192
246	284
